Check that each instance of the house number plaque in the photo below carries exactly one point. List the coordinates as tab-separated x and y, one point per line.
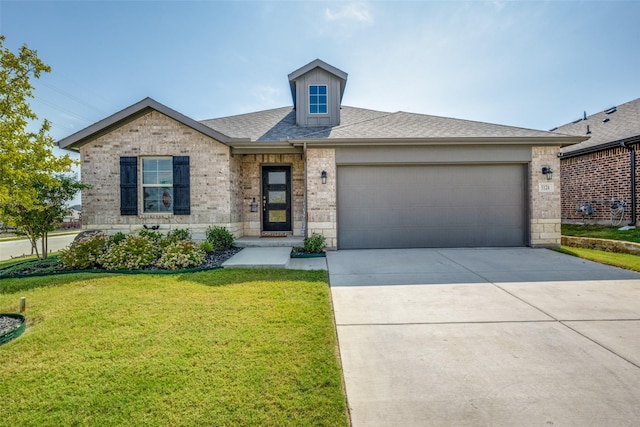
546	187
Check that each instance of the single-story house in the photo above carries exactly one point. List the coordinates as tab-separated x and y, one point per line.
362	178
602	169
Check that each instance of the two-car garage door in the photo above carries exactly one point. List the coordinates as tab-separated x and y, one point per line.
418	206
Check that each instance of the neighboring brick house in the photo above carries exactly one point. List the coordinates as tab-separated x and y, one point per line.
362	178
602	169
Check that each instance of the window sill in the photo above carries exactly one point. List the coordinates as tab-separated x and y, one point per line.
156	216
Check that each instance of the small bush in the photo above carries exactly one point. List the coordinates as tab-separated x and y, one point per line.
133	253
315	243
182	254
175	236
116	238
206	246
154	236
220	237
85	252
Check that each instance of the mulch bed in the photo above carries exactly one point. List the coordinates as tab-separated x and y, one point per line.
8	324
52	266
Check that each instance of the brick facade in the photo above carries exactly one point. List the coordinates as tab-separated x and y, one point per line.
251	184
212	182
223	185
596	179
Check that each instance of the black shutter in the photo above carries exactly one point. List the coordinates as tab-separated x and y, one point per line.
128	186
181	186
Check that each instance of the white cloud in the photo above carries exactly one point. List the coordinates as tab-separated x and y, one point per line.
356	11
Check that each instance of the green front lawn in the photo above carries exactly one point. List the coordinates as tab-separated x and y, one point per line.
601	232
627	261
222	347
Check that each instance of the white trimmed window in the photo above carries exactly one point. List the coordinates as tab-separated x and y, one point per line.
157	184
318	99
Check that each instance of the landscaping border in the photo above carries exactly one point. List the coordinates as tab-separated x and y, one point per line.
607	245
5	338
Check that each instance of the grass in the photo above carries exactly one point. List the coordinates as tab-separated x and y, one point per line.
627	261
601	232
222	347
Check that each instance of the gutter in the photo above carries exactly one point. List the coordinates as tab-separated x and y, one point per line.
562	141
632	166
601	147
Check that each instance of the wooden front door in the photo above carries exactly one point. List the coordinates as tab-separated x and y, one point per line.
276	198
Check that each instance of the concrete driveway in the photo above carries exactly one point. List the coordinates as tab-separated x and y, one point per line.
473	337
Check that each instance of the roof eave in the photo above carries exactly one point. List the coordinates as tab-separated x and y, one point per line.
280	147
601	147
75	141
537	141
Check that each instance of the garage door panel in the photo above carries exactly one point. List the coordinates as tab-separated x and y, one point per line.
431	206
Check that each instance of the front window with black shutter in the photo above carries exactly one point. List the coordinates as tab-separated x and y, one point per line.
164	182
157	184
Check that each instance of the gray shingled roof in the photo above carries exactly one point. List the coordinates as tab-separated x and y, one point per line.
358	123
607	128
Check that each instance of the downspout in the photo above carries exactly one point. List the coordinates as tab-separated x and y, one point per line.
632	165
303	228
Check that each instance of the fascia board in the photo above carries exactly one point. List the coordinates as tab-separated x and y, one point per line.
104	126
550	141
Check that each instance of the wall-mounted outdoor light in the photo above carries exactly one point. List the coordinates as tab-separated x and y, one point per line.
254	205
323	176
546	170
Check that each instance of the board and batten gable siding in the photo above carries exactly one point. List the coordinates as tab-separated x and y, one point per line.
317	76
154	134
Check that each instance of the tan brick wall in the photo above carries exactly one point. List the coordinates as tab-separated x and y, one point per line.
251	185
545	197
155	134
321	198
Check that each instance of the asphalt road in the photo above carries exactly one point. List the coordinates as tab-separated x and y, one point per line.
16	248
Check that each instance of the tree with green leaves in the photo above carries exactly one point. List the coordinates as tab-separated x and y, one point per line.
31	184
25	155
47	211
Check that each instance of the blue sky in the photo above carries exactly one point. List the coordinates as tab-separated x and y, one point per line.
534	64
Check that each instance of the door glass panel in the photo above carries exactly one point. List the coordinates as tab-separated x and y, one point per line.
277	216
277	197
277	178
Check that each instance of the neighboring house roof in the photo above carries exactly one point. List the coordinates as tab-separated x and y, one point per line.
75	141
606	129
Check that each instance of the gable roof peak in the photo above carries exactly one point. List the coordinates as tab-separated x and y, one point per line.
318	63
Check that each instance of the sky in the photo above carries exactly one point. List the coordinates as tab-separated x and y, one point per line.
531	64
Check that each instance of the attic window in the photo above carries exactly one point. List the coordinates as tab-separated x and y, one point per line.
318	99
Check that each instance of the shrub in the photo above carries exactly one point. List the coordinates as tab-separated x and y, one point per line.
175	236
315	243
206	246
220	237
182	254
85	252
133	253
154	236
116	238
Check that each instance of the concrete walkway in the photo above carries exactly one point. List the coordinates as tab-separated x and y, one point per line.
500	337
273	257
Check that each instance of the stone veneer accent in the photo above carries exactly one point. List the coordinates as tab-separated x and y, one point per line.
606	245
321	198
214	176
544	202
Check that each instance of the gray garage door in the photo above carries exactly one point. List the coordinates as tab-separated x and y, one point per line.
431	206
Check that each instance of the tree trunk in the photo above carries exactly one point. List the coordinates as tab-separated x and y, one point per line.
45	251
